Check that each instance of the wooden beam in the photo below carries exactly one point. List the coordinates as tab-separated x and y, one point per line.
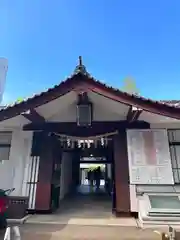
33	116
71	128
133	114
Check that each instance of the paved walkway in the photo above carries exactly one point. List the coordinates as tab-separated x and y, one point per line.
70	220
72	232
83	220
78	209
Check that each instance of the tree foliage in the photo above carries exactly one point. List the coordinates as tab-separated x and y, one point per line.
20	99
129	86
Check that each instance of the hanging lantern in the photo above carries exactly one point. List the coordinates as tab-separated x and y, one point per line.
84	110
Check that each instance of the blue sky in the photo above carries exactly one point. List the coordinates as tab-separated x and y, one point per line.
117	39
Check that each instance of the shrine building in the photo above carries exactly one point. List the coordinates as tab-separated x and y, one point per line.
45	138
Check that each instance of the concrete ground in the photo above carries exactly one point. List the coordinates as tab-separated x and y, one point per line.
87	218
72	232
76	207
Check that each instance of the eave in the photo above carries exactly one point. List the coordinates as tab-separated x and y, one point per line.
33	116
84	82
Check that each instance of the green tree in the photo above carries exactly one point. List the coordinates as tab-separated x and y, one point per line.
129	86
19	100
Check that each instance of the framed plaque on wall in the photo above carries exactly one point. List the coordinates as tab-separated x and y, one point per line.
149	157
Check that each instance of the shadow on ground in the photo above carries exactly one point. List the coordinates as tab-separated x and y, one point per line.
69	232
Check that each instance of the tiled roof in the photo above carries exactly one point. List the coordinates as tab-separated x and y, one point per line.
175	103
170	103
79	76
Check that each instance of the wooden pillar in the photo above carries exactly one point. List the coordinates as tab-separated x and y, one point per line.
121	173
43	192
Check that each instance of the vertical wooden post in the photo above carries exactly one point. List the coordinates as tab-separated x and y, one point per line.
121	166
43	193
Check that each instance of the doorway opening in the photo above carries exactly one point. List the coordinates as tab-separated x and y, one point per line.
80	194
95	178
88	186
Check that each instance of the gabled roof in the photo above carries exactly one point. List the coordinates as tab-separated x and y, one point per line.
81	78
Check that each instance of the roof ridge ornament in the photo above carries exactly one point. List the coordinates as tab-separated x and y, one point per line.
80	61
80	68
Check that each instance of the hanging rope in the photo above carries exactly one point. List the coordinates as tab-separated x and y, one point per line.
86	138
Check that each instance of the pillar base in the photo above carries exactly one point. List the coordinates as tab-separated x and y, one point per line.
125	214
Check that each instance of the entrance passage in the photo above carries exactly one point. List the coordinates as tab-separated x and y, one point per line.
86	186
59	168
95	179
88	183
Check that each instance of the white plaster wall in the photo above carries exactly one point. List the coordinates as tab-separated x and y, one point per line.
63	109
65	115
103	113
66	174
109	171
16	157
26	162
6	175
12	170
8	167
165	125
100	113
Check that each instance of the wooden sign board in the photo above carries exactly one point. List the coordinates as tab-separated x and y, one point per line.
149	157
